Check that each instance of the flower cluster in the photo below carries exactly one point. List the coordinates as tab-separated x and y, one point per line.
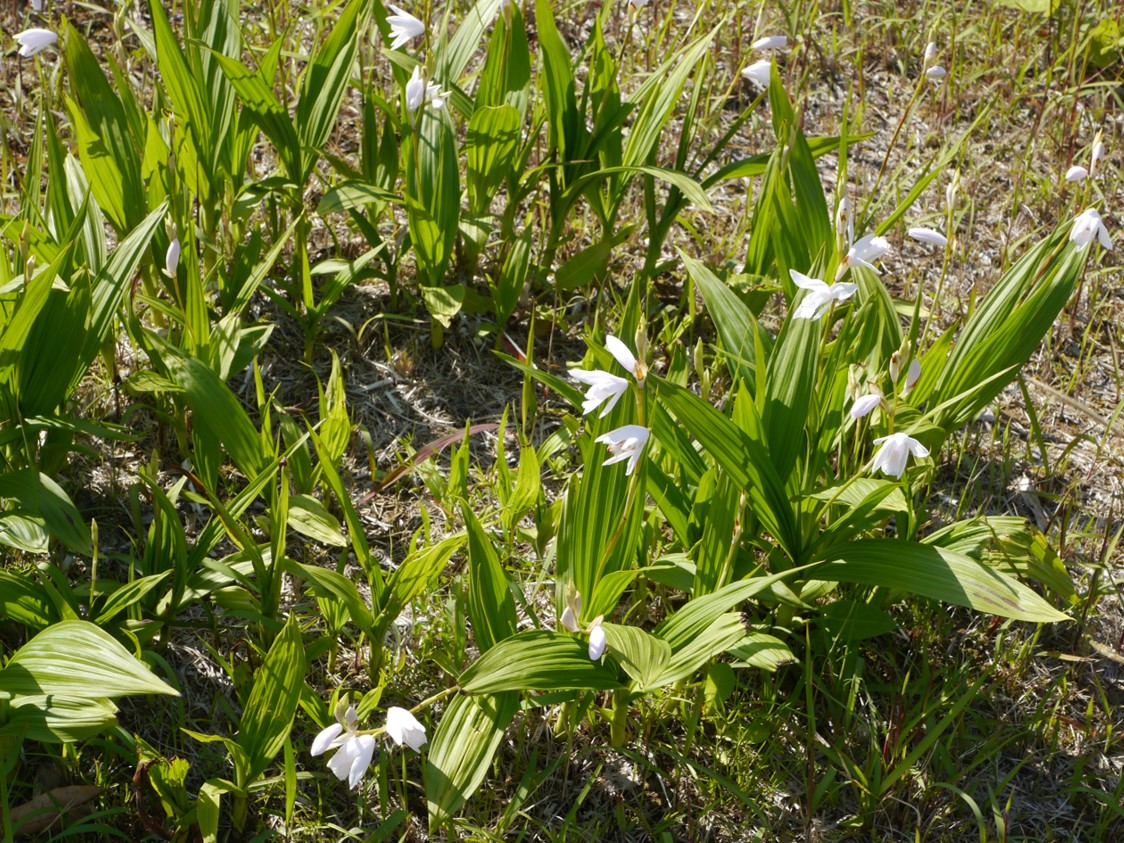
628	441
355	747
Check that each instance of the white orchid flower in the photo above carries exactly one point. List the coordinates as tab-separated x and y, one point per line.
37	5
1098	156
603	388
597	640
866	250
912	375
896	448
936	73
770	42
569	620
1087	226
172	258
625	443
930	51
404	27
419	92
928	235
864	404
353	751
820	295
404	728
35	40
607	387
1076	173
845	220
760	72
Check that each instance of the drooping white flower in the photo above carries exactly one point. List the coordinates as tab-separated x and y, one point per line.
353	751
1097	157
928	235
866	250
845	220
352	759
597	641
864	404
930	51
912	375
172	258
770	42
37	5
936	73
404	728
404	27
603	388
607	387
896	448
952	189
419	92
569	621
35	40
1076	173
820	295
1087	226
625	443
638	4
637	368
760	72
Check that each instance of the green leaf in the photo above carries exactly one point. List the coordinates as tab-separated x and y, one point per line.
537	660
326	79
470	732
490	604
77	659
642	655
433	188
269	711
309	518
744	458
51	718
493	134
723	633
334	584
38	495
935	572
217	412
759	650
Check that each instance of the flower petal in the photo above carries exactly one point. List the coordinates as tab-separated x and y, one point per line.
620	351
324	739
597	642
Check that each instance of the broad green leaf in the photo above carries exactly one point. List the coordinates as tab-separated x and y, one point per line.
334	584
418	574
326	80
217	411
734	321
309	518
490	604
744	458
433	189
79	660
766	652
537	660
493	134
470	732
269	711
935	572
699	614
723	633
51	718
39	496
642	655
